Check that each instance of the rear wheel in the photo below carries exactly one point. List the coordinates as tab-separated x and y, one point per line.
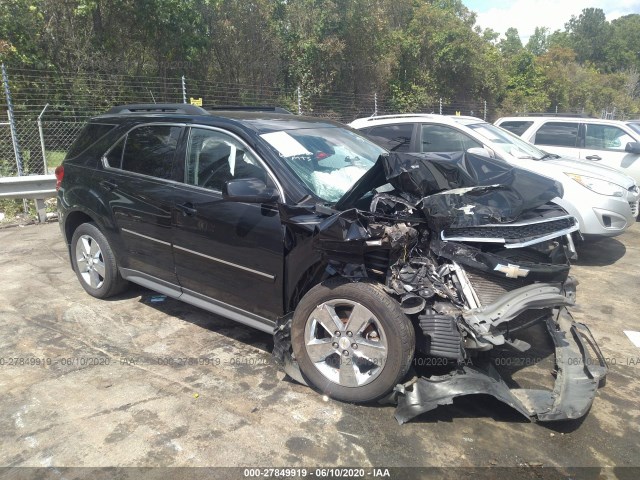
352	341
94	262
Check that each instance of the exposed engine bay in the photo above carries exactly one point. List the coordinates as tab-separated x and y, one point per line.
475	253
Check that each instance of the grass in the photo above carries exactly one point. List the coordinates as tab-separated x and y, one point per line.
10	207
54	158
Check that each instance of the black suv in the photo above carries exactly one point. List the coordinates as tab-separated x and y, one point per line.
354	259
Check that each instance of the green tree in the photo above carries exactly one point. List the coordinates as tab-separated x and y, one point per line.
589	35
21	26
538	42
442	55
623	50
525	84
511	44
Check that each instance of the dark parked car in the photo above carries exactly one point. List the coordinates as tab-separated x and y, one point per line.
354	259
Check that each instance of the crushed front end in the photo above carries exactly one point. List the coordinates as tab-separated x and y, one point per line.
476	255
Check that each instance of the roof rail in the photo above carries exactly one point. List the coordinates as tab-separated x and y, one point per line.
183	108
247	108
399	115
553	114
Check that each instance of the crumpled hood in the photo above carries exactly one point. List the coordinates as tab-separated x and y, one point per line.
457	189
593	169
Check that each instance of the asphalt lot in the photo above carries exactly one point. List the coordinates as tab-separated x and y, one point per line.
117	384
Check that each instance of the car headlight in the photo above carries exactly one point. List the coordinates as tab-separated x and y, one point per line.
598	185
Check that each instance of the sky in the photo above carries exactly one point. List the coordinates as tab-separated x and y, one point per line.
526	15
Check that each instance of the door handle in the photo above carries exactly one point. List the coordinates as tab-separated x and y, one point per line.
593	157
109	184
187	208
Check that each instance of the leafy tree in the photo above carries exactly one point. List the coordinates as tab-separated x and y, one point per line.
511	44
21	26
538	42
442	52
559	39
590	34
623	50
525	84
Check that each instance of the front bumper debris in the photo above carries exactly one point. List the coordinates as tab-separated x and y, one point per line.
580	368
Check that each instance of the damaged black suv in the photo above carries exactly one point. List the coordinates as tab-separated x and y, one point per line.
355	260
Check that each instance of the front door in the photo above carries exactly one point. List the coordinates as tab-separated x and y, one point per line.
230	252
606	144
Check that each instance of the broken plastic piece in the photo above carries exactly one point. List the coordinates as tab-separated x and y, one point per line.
578	378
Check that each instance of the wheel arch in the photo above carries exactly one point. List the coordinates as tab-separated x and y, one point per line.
76	217
309	278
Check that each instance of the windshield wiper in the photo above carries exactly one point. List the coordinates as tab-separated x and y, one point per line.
548	155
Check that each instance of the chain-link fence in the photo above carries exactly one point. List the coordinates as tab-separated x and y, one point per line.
58	135
8	165
49	108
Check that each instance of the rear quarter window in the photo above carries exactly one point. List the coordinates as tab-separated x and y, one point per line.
517	127
87	137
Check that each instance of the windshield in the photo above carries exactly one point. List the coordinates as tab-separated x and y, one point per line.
327	160
635	126
508	142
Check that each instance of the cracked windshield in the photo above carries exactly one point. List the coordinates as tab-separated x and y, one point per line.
328	160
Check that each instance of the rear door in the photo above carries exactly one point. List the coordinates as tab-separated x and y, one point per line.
137	182
226	252
560	137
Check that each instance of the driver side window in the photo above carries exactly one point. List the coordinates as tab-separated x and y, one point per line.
214	158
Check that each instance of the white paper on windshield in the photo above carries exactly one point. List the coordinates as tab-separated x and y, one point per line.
285	144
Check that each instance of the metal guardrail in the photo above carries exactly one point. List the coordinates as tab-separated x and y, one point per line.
37	187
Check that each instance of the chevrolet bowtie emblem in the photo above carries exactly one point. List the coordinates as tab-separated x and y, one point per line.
512	271
468	209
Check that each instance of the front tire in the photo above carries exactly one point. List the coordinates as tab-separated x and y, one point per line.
94	262
351	340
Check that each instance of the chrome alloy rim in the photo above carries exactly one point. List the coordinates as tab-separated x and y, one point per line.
89	261
346	342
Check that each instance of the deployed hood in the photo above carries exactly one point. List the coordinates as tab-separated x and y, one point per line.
593	169
457	189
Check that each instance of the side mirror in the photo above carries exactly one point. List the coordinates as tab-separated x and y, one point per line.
481	151
632	147
249	190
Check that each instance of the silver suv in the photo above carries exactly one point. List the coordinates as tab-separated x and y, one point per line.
604	200
613	143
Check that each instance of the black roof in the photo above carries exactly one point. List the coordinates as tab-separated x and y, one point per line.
259	119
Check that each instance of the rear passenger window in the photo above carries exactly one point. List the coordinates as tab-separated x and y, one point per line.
150	150
558	134
438	138
395	138
517	127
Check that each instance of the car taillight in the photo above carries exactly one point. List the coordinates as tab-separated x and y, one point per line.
59	176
